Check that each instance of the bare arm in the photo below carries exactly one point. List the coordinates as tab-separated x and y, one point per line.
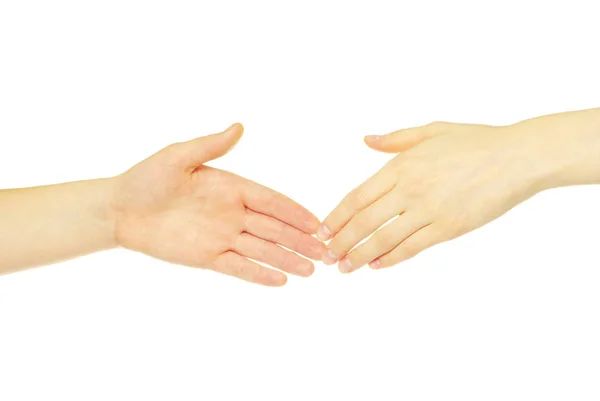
170	206
448	179
48	224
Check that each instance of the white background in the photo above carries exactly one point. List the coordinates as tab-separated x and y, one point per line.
87	89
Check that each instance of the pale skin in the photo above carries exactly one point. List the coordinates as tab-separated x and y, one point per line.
448	179
170	206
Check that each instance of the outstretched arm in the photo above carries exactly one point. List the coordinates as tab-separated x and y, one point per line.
170	206
43	225
448	179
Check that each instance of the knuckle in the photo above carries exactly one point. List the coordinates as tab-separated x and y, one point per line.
413	188
435	127
172	149
241	270
430	207
409	249
394	166
450	228
436	124
294	215
356	198
284	261
235	242
172	146
382	243
359	221
246	222
262	250
269	201
278	231
296	239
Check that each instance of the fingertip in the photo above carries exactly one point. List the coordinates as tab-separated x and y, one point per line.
235	127
329	258
308	269
323	233
345	266
312	225
371	139
317	250
233	134
278	280
269	277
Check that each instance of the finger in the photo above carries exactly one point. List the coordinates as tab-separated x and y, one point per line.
363	224
192	154
383	241
361	197
271	203
404	139
264	251
233	264
424	238
276	231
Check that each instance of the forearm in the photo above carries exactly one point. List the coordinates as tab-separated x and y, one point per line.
48	224
566	147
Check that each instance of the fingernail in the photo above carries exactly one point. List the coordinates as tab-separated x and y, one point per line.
376	264
323	233
329	258
373	138
345	266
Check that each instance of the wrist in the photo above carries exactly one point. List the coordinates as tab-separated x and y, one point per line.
561	149
120	208
107	213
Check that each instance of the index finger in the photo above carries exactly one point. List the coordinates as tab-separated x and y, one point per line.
358	199
271	203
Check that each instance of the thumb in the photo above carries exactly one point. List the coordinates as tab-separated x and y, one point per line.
206	148
399	141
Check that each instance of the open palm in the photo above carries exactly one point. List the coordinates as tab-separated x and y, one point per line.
172	207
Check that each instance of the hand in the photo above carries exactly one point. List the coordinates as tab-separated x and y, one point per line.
174	208
447	179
